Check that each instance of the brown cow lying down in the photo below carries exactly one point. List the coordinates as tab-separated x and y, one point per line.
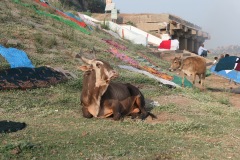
190	66
102	98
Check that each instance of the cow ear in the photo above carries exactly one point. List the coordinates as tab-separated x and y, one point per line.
84	68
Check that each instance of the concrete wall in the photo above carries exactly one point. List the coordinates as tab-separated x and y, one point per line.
190	36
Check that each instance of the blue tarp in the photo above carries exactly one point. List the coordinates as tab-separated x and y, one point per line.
228	74
77	18
227	63
15	57
73	16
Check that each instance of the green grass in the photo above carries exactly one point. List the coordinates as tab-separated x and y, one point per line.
204	127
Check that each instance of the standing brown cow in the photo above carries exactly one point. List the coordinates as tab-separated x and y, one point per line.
190	66
102	98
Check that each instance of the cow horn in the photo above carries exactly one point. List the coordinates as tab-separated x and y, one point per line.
85	60
88	61
94	51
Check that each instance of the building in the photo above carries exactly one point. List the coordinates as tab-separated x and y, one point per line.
190	36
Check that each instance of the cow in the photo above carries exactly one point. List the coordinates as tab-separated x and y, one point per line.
190	66
102	98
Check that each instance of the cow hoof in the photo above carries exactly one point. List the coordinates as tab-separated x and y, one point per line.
87	115
133	116
144	116
117	117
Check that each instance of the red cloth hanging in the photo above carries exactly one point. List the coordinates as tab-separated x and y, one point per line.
166	44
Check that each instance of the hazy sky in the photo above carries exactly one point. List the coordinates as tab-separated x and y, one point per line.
220	18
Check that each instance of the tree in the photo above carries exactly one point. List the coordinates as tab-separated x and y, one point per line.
96	6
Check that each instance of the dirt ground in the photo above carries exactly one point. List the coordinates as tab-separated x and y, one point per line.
215	85
220	86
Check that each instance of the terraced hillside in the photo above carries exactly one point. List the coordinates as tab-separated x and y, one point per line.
191	124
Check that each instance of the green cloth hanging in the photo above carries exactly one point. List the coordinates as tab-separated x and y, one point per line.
208	73
178	80
58	18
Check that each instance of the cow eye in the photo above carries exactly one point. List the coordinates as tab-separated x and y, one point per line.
98	65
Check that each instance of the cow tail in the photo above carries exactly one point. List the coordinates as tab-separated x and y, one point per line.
152	115
143	105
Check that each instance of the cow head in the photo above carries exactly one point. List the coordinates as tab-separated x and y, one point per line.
102	71
176	64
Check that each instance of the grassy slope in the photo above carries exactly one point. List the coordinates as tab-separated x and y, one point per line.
56	128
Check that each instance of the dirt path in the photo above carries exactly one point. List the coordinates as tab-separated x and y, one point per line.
215	85
218	86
